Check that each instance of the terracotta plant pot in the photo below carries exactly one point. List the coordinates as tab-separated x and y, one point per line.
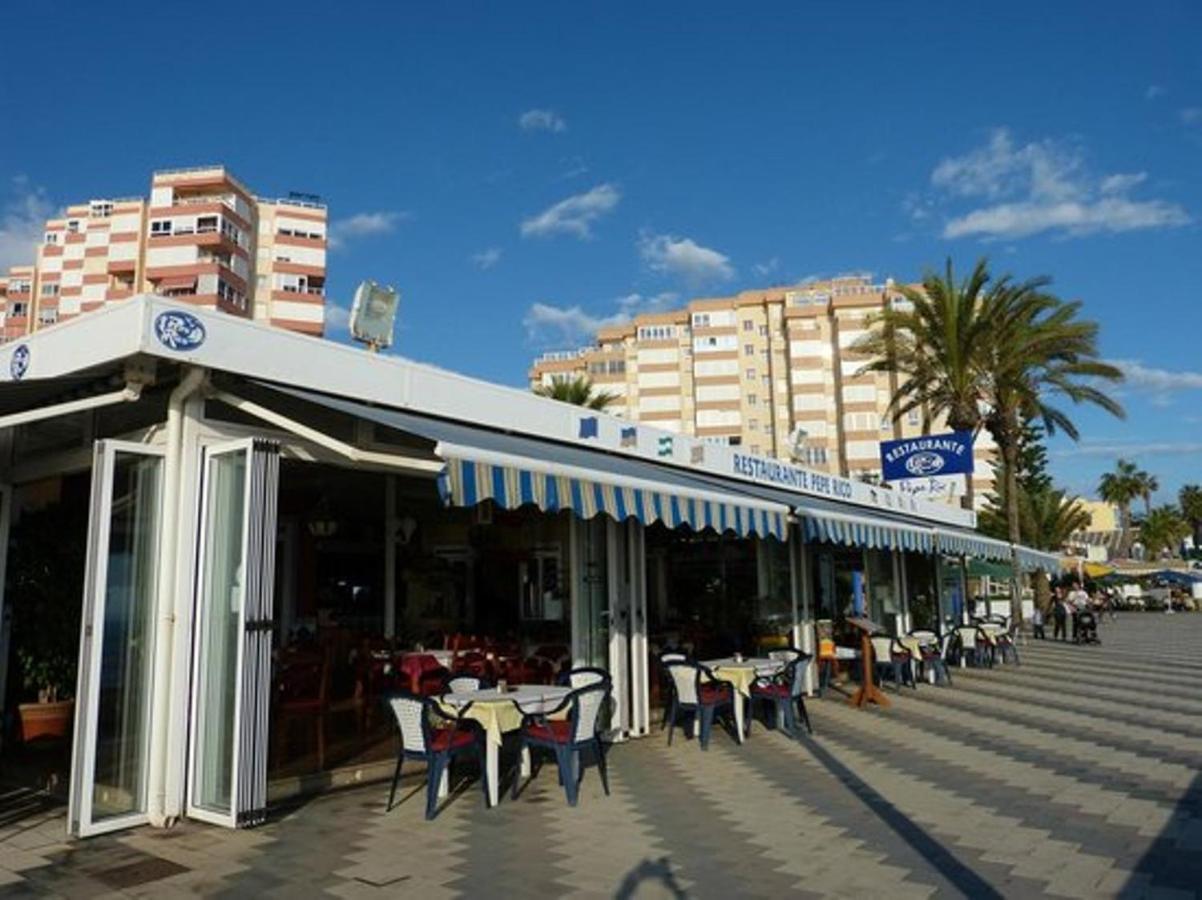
46	720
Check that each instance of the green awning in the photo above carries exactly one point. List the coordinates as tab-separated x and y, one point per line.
980	568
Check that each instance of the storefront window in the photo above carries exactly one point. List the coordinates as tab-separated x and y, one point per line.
920	586
884	595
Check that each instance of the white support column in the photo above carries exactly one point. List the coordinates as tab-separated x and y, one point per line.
640	696
801	565
577	615
903	591
179	675
390	541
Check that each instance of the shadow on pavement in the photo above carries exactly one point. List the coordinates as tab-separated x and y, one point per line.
1173	861
926	846
657	870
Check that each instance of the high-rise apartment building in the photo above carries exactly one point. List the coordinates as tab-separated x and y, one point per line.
771	370
202	237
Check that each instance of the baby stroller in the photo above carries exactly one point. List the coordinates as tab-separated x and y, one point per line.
1087	627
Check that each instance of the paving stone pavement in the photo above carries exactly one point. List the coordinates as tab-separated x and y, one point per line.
1075	774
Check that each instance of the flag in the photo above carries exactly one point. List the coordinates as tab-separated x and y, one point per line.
588	427
665	446
697	454
630	437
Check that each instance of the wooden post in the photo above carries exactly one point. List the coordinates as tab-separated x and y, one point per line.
868	692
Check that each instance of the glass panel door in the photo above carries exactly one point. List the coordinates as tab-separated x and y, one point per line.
112	736
231	678
219	614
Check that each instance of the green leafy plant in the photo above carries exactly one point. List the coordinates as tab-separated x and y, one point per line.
45	590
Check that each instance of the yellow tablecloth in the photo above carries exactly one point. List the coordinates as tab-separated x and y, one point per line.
740	676
495	716
913	644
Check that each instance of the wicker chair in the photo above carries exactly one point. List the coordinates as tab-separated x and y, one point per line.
434	744
567	737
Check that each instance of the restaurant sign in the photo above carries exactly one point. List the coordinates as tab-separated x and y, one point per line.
924	457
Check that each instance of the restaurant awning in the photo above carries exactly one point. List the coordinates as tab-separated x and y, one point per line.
968	543
515	470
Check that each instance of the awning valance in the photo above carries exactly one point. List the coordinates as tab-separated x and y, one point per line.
969	544
863	531
473	476
514	470
1032	560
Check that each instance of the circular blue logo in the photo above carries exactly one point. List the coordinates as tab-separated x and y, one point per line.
19	364
925	463
177	330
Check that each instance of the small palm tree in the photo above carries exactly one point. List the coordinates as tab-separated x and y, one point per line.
1163	528
1121	487
1190	498
935	348
1048	517
578	391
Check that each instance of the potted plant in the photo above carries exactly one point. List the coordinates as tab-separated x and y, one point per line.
45	590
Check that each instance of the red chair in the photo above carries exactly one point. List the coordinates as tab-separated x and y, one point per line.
423	674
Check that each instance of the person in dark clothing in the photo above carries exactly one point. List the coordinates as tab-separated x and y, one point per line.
1059	617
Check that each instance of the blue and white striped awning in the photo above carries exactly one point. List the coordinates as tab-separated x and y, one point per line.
864	531
1032	560
962	543
473	476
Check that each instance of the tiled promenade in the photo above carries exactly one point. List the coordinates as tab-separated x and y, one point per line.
1077	774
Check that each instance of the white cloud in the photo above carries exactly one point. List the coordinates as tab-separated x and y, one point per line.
550	325
486	259
1192	115
1043	186
575	215
542	120
1146	378
684	258
338	318
1154	91
547	324
366	224
22	223
1129	449
766	268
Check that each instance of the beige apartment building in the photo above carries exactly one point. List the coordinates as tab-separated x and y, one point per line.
202	237
771	370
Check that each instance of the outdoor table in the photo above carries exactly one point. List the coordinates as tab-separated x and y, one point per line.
914	645
742	674
497	714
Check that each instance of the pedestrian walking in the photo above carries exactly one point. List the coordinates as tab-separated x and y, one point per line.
1059	616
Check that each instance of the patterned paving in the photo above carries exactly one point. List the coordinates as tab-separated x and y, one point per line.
1076	774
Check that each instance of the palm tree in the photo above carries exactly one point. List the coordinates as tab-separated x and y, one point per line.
1038	350
1163	528
578	391
1120	487
1050	518
1190	498
935	348
1147	485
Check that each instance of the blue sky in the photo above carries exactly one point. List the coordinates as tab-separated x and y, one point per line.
525	172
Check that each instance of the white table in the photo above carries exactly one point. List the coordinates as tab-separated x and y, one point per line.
531	698
755	667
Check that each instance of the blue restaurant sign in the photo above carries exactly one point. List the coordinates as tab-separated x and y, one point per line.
922	457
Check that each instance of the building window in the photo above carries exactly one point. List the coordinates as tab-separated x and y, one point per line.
73	226
751	374
51	237
753	424
701	320
763	331
767	379
755	448
735	440
47	316
160	228
20	309
50	289
748	325
100	209
748	350
206	224
912	418
751	399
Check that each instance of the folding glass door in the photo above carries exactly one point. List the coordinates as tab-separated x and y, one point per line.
110	761
232	626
